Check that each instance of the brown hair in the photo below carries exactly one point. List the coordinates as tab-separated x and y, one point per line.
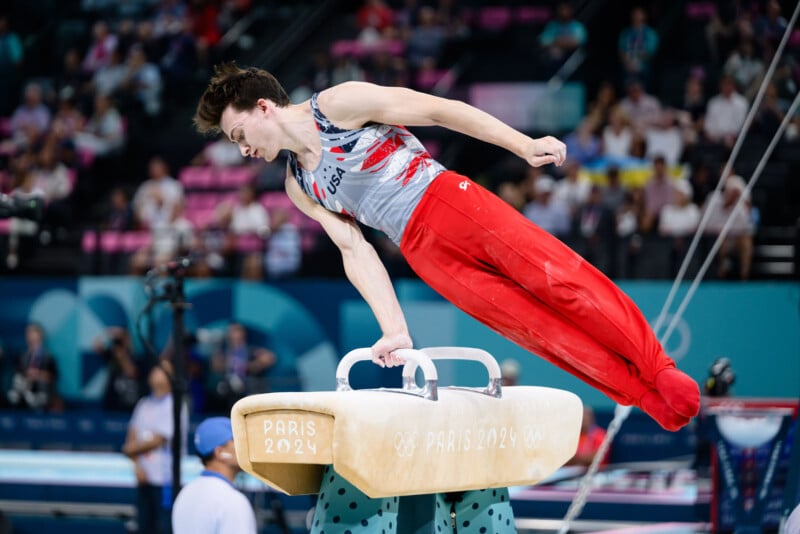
237	87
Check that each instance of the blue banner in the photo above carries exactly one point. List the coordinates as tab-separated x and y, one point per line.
310	324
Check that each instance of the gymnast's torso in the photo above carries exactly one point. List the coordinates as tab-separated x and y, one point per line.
376	174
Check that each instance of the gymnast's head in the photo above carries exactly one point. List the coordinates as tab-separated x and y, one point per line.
241	89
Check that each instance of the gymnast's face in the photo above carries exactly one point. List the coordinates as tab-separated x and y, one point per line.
254	130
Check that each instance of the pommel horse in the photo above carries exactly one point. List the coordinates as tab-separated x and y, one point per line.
367	452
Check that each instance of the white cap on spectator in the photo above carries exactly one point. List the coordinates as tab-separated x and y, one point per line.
544	184
735	183
683	186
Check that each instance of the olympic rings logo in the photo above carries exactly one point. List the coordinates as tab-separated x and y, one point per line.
405	443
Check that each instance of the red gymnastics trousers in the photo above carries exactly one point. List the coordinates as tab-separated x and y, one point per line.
494	264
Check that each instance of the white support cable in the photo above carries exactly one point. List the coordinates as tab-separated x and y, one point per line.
734	153
726	227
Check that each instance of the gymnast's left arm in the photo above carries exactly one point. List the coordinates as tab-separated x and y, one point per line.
353	104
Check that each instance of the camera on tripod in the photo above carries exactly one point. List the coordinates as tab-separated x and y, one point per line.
31	208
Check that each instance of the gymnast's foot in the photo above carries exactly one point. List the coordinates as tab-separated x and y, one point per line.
679	391
656	407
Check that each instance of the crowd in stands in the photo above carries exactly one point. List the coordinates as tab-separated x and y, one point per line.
67	139
222	365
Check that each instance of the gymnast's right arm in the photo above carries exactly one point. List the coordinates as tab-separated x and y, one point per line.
365	271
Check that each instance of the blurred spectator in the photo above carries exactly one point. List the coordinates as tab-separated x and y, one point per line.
512	194
591	437
583	145
34	383
771	112
664	138
638	43
11	55
614	192
22	231
120	213
168	18
605	101
219	153
678	221
346	69
68	120
71	79
509	372
142	82
284	248
374	15
108	78
231	11
31	119
149	444
702	182
658	193
692	110
573	189
237	370
104	133
171	238
617	136
204	15
179	61
739	240
123	387
680	217
631	213
745	68
642	109
562	36
596	224
103	44
385	69
246	215
770	27
729	21
156	197
545	212
53	178
426	40
725	114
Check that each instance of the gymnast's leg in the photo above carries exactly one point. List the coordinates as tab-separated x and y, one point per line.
506	272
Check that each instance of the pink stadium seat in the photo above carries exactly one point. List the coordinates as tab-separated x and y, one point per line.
201	218
234	177
133	241
196	177
5	126
427	79
89	242
249	243
111	242
532	15
700	11
4	225
494	18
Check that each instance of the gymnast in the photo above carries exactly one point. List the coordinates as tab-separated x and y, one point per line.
353	160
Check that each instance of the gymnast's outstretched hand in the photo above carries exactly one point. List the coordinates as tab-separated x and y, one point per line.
383	351
543	151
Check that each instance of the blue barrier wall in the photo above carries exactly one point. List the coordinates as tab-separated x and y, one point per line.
311	323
